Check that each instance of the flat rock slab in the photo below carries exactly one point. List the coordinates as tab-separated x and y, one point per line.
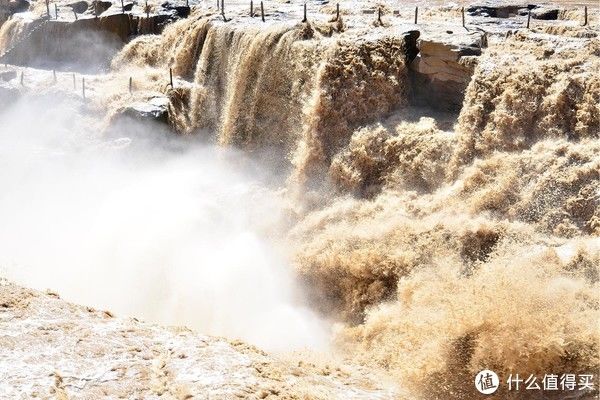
155	109
545	13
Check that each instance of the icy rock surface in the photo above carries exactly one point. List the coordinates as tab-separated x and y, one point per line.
50	348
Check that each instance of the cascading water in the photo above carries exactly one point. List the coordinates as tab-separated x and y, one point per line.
439	244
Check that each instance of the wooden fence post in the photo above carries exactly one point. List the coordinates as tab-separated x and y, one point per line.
262	11
305	19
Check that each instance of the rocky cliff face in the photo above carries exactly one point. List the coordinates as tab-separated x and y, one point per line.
444	66
87	43
80	35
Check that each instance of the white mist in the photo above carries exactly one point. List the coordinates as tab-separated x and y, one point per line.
185	237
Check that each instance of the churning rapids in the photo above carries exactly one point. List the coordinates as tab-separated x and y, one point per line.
308	201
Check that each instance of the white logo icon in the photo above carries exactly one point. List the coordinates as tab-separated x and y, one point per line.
487	381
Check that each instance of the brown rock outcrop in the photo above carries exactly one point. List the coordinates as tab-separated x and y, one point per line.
444	66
